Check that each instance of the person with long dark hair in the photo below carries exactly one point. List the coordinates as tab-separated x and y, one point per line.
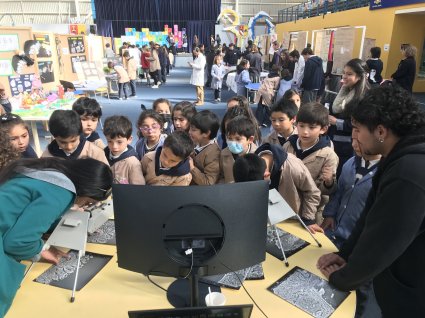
387	243
34	194
406	71
354	86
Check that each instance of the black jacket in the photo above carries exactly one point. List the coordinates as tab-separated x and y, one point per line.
387	244
405	74
314	77
231	57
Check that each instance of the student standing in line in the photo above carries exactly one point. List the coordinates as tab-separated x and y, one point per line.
375	66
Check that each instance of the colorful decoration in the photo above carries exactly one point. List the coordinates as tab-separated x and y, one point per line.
253	21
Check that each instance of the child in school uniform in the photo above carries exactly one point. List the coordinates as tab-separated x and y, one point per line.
288	175
150	125
169	164
347	203
131	69
162	106
69	142
182	114
240	133
314	149
204	165
18	133
217	72
123	81
5	105
90	113
122	158
283	115
7	151
242	77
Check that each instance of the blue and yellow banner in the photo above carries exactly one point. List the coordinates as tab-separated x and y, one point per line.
382	4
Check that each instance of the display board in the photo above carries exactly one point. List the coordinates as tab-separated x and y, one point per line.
12	40
47	60
321	45
69	45
343	48
286	37
367	45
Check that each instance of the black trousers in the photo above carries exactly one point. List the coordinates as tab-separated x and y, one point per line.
155	76
217	93
133	87
263	114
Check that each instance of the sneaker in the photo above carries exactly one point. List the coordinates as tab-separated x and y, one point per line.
125	98
159	83
218	100
155	86
133	96
120	98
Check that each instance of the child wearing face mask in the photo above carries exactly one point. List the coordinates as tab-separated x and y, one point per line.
69	142
150	126
240	133
162	106
18	134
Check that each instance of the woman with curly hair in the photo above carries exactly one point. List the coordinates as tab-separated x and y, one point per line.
387	243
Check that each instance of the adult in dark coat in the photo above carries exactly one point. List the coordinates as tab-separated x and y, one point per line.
314	77
406	71
255	63
388	242
232	55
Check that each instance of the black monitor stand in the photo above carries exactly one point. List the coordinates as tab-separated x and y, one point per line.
190	292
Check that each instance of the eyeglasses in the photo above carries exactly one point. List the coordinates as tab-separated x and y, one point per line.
147	128
8	117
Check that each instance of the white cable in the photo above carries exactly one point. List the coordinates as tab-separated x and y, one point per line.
189	251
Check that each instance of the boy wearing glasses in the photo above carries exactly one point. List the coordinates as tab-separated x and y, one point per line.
125	165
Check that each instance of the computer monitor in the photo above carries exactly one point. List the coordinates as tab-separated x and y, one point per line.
235	311
190	231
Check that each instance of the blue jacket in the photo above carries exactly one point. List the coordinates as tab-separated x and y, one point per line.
242	79
29	206
348	202
314	77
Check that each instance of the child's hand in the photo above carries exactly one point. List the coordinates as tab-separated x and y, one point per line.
328	176
315	228
191	165
332	120
328	222
53	255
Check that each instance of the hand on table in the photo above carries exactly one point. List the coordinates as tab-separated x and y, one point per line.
330	259
327	271
53	255
315	228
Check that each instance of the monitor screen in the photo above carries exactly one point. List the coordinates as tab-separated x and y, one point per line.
223	225
238	311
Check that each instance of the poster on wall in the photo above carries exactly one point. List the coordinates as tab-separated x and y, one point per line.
367	45
343	48
6	67
76	44
45	47
76	59
46	72
9	42
322	44
285	40
20	83
302	40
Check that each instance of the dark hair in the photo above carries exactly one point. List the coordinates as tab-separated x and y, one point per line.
285	106
289	93
241	66
206	121
85	106
250	167
180	143
91	178
9	120
307	51
295	54
107	45
65	123
242	126
375	52
244	110
313	114
391	107
149	113
159	101
7	151
186	108
126	54
360	68
117	126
